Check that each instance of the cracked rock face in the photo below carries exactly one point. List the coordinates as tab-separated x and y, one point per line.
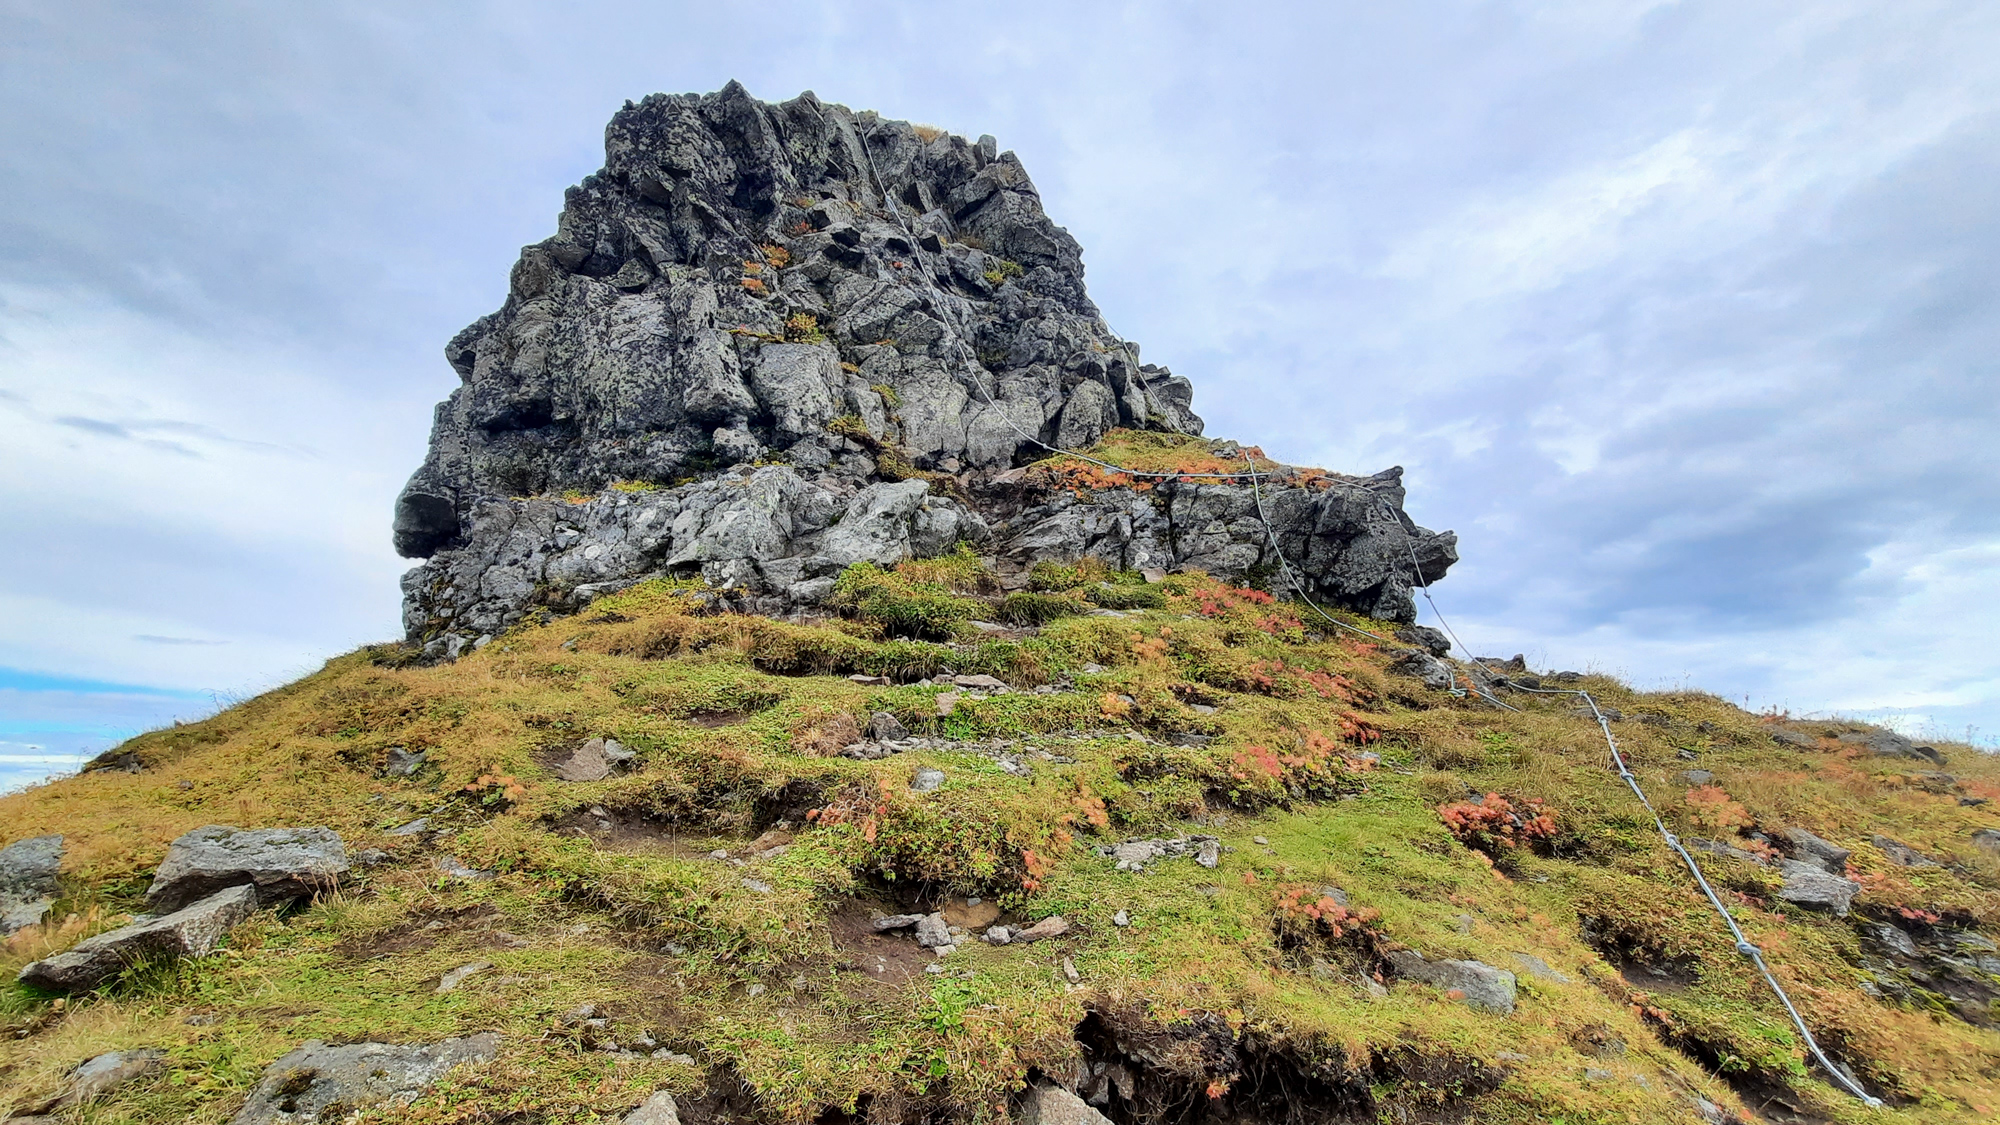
776	328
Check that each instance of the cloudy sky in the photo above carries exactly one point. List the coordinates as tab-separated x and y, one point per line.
1683	315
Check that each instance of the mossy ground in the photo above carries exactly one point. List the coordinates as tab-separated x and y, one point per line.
792	1011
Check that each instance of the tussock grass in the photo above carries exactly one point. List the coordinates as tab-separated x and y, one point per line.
1217	712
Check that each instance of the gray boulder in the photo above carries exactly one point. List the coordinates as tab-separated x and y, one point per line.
1053	1105
656	1110
317	1083
1810	886
1902	854
107	1072
1812	849
776	328
281	863
932	931
1889	744
1434	672
1480	984
884	727
28	881
192	931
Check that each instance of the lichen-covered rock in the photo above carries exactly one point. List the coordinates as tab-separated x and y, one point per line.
1810	886
28	881
1475	982
867	305
192	931
318	1083
280	863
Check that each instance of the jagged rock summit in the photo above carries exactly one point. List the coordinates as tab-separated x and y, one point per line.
771	340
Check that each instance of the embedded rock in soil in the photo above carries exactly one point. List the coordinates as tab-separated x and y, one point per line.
107	1072
281	863
1052	1105
189	932
339	1081
656	1110
1434	672
1812	849
784	370
1134	855
1814	889
1889	744
28	881
1901	854
1478	984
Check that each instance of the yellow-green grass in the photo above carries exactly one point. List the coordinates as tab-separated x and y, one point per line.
733	717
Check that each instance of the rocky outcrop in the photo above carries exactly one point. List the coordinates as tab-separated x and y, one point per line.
318	1082
769	340
189	932
278	863
28	881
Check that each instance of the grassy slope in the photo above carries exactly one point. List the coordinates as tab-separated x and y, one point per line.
777	988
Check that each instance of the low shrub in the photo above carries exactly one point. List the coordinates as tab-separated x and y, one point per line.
1025	607
919	606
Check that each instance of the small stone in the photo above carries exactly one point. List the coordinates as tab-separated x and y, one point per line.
754	885
980	683
997	935
617	753
1091	669
1902	854
665	1055
932	931
107	1072
755	990
1069	971
1510	1056
1051	1105
927	780
403	763
1261	841
1121	919
1478	984
456	977
1812	887
895	922
451	865
1698	777
658	1109
947	702
585	763
1830	857
1209	853
416	827
1596	1074
355	1077
1462	924
1055	925
869	681
884	727
1539	969
281	863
